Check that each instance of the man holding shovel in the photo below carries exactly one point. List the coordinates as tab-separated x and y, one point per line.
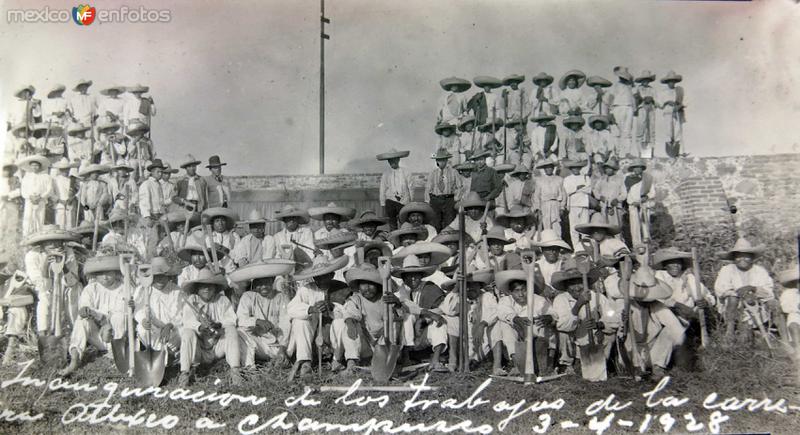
160	328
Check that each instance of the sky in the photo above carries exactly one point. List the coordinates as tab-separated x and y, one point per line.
241	78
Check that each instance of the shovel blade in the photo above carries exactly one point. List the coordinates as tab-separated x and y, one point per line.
149	366
384	360
119	349
52	352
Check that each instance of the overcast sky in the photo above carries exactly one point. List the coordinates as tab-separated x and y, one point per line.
240	79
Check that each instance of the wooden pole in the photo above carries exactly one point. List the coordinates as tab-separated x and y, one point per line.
462	293
323	37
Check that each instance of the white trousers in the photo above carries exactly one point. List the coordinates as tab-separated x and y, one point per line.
33	217
577	215
254	347
191	353
430	336
623	115
658	330
87	332
65	216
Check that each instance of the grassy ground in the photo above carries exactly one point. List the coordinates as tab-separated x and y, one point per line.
744	372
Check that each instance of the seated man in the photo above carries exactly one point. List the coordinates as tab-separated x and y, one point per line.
208	329
601	244
553	252
419	215
364	314
159	308
194	254
367	225
429	254
295	232
222	221
498	258
256	246
518	224
512	316
310	306
101	310
407	235
474	207
262	318
482	334
17	296
741	281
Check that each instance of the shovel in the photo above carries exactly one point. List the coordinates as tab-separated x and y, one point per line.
525	360
584	266
51	349
149	364
384	356
121	348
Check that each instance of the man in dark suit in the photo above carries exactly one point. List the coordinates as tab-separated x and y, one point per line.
192	190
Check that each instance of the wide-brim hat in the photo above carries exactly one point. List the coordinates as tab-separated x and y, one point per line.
108	127
20	130
50	233
513	78
179	216
449	235
622	72
87	228
363	272
264	269
162	266
489	125
25	164
498	232
23	89
482	276
645	76
137	127
472	199
290	211
205	276
322	266
503	279
580	77
346	213
92	168
336	238
487	81
742	246
168	169
193	246
664	255
466	120
640	163
82	82
156	163
597	81
598	221
122	165
105	263
441	154
254	216
516	211
438	252
573	163
789	278
671	77
230	216
575	119
368	217
465	166
460	84
57	89
386	250
107	91
442	126
504	168
645	287
116	215
64	163
77	128
190	161
542	79
612	163
10	165
559	279
548	238
392	154
546	162
599	118
515	120
214	162
518	169
479	155
137	88
419	207
407	228
411	265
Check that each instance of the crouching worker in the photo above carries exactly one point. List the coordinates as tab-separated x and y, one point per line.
209	326
263	321
101	310
790	303
483	336
580	312
512	315
311	306
159	308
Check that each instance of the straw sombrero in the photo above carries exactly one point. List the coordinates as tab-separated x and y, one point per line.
482	276
106	127
441	154
393	154
107	91
419	207
449	235
664	255
513	78
205	276
386	251
438	252
460	84
548	238
25	164
472	199
671	77
504	168
546	162
411	265
77	128
789	278
162	266
57	89
363	272
321	266
190	161
637	163
137	89
498	232
597	81
92	168
645	287
574	120
23	89
743	246
612	162
574	163
623	73
137	127
580	77
516	211
255	217
646	76
542	79
345	213
335	239
265	269
82	82
603	119
369	217
193	246
559	279
503	279
487	81
63	163
290	211
466	120
105	263
442	126
230	216
50	233
407	228
598	221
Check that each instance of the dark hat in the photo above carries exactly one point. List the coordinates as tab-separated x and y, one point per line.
598	81
156	164
460	84
442	126
542	79
369	216
487	81
441	154
290	210
421	207
214	162
513	78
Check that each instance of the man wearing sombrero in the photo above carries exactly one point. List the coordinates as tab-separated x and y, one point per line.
609	190
517	223
257	245
160	328
194	253
474	207
549	198
419	215
485	181
623	104
498	258
640	188
81	106
671	102
542	99
363	314
54	108
79	143
222	221
208	329
192	190
219	187
745	282
331	216
453	103
63	195
553	252
441	187
262	316
295	231
138	107
578	188
597	102
645	114
36	187
396	186
93	196
10	199
123	190
790	303
599	141
367	225
571	98
110	107
486	105
515	97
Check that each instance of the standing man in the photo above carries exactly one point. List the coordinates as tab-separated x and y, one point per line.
151	205
36	187
219	188
622	104
193	189
395	190
486	182
440	190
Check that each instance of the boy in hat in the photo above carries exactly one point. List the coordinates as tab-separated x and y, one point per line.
453	103
122	188
482	334
35	188
496	257
512	316
423	324
364	314
485	105
599	142
570	140
208	327
396	186
485	181
256	246
331	216
623	103
192	190
598	103
309	303
159	308
542	100
645	114
222	221
428	254
168	189
571	99
602	321
219	187
578	189
610	192
474	225
515	97
554	251
194	253
110	108
419	215
139	107
600	243
407	235
82	107
639	186
63	195
744	285
517	222
549	197
115	238
102	309
670	101
25	109
448	138
367	226
790	303
295	231
151	198
80	143
441	187
543	137
262	315
93	195
519	190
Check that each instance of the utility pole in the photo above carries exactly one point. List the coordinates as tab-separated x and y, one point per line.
323	36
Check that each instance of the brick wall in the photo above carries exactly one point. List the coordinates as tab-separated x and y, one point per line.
694	190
